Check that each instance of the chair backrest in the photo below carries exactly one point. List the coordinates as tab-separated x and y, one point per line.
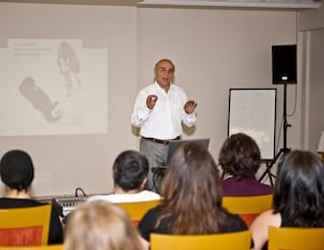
136	210
227	241
296	238
25	226
48	247
248	207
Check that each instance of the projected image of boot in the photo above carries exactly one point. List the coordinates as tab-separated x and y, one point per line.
40	100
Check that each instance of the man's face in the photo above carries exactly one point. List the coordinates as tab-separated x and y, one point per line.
164	73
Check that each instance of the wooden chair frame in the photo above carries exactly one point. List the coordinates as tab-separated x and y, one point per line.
136	210
248	207
296	238
24	218
48	247
226	241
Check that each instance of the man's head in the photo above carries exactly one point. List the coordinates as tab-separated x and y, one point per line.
17	170
130	171
164	73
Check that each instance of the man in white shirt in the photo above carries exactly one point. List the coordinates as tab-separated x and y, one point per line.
130	171
160	110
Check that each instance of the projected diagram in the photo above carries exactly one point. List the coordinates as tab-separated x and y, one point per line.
55	87
39	99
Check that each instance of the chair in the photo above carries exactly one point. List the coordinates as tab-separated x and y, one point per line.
227	241
136	210
248	207
25	226
48	247
296	238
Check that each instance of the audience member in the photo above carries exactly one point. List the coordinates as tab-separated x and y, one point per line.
130	171
100	225
240	159
17	173
192	201
298	199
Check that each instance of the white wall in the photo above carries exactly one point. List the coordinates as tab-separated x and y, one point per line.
314	88
311	27
214	50
311	19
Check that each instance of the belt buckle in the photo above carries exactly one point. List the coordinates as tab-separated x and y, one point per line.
163	142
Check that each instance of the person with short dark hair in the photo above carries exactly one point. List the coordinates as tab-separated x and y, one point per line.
298	198
240	159
130	171
17	173
192	199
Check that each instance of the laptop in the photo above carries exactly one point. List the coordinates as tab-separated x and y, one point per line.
173	145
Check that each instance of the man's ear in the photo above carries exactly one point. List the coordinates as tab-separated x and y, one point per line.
144	184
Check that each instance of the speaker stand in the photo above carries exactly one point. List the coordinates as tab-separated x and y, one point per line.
284	150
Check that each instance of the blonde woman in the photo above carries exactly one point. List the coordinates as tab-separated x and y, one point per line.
100	225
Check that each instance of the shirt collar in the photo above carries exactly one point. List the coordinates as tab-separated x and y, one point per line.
161	89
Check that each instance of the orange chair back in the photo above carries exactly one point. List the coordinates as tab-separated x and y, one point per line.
136	210
24	226
296	238
48	247
248	207
227	241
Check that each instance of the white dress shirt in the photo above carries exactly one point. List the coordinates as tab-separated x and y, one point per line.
144	195
165	120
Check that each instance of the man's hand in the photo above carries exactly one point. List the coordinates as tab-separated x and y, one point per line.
190	106
151	101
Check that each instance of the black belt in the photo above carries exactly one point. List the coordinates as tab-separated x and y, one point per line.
164	142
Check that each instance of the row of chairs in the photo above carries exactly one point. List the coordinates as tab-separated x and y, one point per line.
248	207
279	239
33	225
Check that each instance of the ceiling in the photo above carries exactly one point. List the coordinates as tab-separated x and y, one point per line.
295	4
285	4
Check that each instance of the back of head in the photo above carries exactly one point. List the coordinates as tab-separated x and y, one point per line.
240	156
130	170
100	225
17	170
191	191
299	189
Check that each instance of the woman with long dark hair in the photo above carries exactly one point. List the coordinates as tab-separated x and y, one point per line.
192	201
298	199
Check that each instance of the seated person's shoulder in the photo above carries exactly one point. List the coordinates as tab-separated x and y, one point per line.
266	219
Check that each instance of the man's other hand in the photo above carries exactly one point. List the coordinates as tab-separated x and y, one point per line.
190	106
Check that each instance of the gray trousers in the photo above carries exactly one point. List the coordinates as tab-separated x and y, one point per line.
156	154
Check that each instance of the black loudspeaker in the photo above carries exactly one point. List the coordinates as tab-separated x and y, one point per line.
284	64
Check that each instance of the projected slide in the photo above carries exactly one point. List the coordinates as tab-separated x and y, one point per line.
53	87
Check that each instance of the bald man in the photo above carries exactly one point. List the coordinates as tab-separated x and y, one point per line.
160	111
